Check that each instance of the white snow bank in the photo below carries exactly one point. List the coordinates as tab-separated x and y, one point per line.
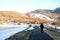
8	32
13	25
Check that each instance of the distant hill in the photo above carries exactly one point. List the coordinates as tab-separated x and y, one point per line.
14	17
36	16
45	14
57	10
11	17
41	11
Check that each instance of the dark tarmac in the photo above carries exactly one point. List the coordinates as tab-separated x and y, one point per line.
37	35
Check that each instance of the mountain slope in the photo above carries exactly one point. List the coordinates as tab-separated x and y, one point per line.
40	16
37	16
10	16
57	10
45	15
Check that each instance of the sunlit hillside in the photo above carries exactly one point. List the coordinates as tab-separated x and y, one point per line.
45	15
35	18
10	16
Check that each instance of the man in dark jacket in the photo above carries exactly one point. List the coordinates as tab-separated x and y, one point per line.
41	26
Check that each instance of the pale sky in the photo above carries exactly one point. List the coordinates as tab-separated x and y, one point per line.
25	6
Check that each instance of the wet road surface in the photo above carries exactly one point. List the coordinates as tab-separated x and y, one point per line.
37	35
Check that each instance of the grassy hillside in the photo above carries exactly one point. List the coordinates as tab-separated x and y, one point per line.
11	17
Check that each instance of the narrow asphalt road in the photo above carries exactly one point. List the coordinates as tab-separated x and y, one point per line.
37	35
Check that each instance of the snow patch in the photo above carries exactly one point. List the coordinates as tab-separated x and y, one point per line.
35	15
9	32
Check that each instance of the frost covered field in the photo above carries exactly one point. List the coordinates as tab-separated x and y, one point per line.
8	30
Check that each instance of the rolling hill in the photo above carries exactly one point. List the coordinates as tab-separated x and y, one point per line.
37	16
10	16
46	15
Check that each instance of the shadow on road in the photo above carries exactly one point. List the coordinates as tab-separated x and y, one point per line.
37	35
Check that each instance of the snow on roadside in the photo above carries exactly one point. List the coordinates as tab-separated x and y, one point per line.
13	25
7	33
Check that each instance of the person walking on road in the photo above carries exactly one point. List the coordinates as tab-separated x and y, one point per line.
41	26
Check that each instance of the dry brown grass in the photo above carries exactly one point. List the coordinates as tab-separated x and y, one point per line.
10	16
